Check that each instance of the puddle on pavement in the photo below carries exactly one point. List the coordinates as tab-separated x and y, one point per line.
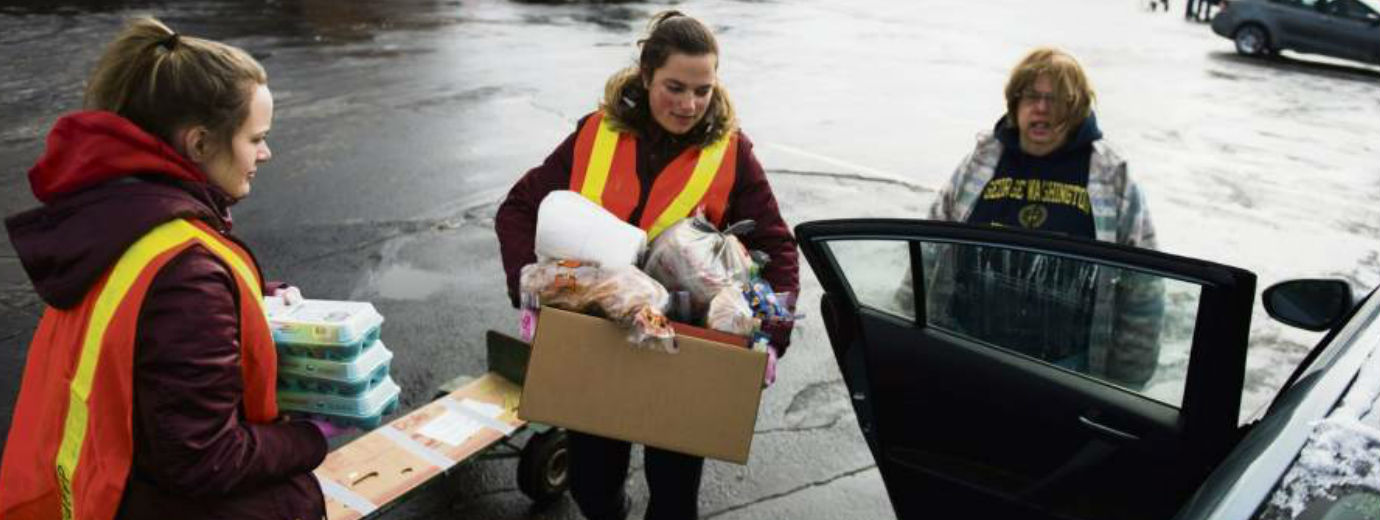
818	405
404	282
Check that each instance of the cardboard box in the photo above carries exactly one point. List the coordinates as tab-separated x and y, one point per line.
584	375
372	472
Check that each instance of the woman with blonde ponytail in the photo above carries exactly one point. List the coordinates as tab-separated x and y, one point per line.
149	389
664	143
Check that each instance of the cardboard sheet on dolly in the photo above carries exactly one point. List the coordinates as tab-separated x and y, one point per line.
388	462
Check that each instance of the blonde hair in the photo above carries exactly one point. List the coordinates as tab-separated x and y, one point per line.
163	81
1071	86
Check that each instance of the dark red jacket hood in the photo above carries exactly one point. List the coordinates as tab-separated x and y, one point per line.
104	182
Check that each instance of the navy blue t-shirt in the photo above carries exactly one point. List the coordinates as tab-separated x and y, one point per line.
1047	193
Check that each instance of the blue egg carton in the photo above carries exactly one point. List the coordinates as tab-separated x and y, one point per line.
323	329
309	374
365	411
328	351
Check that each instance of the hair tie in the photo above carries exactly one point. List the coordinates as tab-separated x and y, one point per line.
170	42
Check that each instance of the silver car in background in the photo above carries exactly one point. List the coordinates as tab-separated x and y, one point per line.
1347	29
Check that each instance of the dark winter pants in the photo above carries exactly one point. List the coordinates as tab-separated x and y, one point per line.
599	467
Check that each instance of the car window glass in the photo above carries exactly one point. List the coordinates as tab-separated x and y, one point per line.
1311	5
1301	4
878	273
1123	327
1355	9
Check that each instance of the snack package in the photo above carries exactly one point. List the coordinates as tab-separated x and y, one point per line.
768	305
529	304
562	284
622	294
693	256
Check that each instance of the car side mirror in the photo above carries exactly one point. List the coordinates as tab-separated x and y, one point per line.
1310	304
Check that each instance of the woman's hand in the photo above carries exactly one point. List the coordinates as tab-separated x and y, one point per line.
770	376
290	294
330	430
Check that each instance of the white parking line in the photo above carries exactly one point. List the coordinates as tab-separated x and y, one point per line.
862	172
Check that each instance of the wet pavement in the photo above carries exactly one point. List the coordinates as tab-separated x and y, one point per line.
401	124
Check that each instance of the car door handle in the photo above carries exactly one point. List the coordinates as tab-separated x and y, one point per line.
1108	430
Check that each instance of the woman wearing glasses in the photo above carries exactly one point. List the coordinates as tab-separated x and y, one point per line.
1045	167
1048	139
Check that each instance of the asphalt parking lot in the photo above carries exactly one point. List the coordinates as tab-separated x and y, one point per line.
400	125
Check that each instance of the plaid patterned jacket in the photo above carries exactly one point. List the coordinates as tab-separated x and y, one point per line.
1129	306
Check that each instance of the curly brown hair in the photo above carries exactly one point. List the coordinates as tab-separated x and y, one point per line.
1071	86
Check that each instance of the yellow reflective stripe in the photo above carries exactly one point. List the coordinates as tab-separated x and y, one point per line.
127	269
684	203
163	238
600	162
237	264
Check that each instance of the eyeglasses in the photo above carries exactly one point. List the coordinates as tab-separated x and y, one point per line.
1033	97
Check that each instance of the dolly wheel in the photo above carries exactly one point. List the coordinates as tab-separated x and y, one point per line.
542	474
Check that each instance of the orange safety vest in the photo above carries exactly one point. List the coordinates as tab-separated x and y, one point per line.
71	442
605	171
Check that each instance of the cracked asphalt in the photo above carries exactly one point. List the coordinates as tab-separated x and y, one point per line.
401	124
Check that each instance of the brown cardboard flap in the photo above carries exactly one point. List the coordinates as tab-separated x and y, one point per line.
685	329
585	376
377	468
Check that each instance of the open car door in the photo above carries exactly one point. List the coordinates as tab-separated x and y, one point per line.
1009	374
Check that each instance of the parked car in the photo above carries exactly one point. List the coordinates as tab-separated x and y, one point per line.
1348	29
968	425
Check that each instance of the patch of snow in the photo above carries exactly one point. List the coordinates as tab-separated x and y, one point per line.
1342	452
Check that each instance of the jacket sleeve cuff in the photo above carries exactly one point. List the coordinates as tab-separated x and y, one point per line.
295	446
780	333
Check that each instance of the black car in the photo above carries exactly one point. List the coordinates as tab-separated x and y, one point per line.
1348	29
964	424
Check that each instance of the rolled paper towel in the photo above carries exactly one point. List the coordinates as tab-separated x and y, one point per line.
571	227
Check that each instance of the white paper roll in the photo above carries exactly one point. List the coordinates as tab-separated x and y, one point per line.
571	227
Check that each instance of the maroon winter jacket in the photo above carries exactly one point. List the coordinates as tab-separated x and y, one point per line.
104	183
750	198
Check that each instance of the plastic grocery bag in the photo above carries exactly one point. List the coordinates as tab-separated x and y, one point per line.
622	294
693	256
729	312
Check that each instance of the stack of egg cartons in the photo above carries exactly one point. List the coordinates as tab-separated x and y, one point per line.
331	364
